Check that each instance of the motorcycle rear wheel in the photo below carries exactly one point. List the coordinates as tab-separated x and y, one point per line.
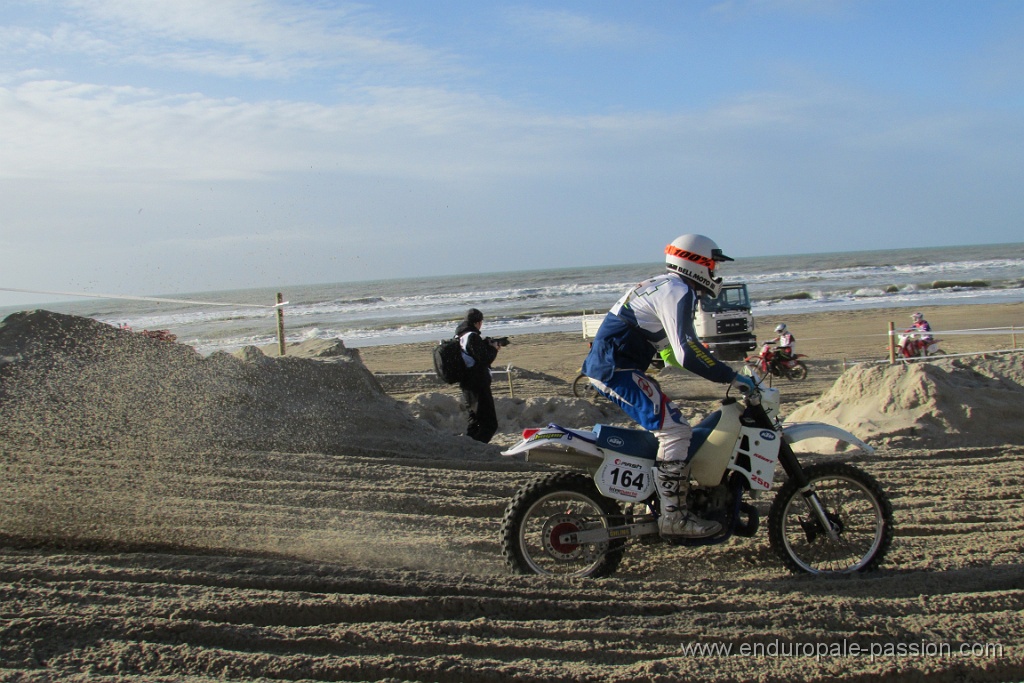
797	372
582	388
854	503
545	509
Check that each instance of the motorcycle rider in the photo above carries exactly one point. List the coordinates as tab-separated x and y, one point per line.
921	331
785	345
656	317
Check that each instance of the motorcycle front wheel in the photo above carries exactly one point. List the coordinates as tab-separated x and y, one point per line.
798	371
856	508
543	511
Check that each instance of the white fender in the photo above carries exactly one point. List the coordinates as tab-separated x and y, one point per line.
571	447
567	439
798	431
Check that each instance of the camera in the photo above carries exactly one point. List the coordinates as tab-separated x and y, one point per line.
500	341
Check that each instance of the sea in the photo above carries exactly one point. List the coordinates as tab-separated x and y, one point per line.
395	311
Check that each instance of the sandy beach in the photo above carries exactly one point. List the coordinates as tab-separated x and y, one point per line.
168	516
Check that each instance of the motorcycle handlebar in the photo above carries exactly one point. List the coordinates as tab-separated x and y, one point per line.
752	395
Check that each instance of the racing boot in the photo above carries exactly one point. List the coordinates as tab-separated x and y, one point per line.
672	481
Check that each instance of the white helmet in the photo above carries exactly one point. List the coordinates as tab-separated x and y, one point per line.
781	328
917	317
694	257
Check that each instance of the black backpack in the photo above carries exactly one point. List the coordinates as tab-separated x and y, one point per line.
448	362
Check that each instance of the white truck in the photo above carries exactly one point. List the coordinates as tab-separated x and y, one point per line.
725	323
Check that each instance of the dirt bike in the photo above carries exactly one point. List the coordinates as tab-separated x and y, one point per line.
828	518
582	388
912	345
771	362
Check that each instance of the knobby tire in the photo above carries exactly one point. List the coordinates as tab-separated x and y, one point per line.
529	527
798	371
853	499
582	388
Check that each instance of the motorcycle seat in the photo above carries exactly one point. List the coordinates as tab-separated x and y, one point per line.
641	443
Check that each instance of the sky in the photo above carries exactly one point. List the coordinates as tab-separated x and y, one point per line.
153	147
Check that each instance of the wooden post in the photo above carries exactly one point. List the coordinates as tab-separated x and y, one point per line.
280	323
1013	335
892	344
511	391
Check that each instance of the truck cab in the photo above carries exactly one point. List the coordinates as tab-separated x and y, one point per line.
725	323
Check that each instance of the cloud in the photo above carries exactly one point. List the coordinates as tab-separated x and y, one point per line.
745	9
61	129
566	29
256	39
61	40
66	130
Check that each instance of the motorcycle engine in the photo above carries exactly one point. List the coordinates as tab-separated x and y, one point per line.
708	503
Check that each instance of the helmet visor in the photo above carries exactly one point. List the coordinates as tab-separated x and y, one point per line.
717	255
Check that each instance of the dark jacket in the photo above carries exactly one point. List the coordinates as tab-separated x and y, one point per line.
481	352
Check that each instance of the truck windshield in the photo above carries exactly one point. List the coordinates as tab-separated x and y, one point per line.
731	298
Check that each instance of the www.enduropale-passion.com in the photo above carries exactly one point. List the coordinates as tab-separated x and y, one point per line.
845	648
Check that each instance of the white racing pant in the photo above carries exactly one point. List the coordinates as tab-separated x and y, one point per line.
642	399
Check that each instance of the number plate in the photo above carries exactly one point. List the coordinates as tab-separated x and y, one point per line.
624	478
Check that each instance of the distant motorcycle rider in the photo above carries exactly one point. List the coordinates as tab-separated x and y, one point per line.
785	345
656	317
922	332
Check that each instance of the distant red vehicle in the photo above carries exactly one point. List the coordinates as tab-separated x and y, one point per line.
777	363
916	345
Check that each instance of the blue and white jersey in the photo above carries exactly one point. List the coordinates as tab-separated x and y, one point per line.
657	314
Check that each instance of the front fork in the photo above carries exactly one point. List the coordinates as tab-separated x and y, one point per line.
796	472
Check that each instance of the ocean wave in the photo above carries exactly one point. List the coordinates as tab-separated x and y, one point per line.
1008	268
909	297
866	292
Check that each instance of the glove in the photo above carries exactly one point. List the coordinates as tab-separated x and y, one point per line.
743	384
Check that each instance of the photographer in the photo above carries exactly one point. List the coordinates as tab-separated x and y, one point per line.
478	353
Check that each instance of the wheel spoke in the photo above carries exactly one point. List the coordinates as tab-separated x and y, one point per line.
551	517
540	523
856	511
855	515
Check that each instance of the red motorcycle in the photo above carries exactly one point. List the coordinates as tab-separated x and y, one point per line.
912	344
776	363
